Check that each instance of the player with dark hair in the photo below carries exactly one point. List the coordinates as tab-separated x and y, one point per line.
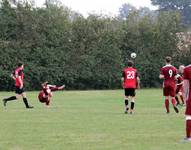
46	92
187	97
130	81
18	77
179	89
169	73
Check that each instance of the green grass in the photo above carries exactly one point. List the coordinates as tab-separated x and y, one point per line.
91	120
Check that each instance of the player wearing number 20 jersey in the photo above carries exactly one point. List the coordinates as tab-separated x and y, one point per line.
169	73
130	81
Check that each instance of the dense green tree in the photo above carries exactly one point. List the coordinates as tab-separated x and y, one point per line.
61	46
183	6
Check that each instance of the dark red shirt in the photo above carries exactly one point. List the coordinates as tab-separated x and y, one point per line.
169	73
187	76
18	73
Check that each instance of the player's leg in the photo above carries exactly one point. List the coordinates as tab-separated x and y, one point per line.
126	104
172	93
25	100
173	101
132	100
126	101
188	128
177	97
48	101
181	97
166	102
12	98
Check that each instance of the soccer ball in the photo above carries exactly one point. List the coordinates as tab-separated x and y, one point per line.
133	55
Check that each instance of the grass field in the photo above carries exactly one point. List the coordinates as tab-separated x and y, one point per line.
91	120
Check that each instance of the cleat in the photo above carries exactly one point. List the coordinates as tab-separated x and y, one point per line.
167	112
29	107
176	109
4	102
187	139
131	113
126	110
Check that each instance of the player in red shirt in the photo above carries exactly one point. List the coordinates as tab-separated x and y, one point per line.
46	92
179	88
130	81
168	73
187	97
18	77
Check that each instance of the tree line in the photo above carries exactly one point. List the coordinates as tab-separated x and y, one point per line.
59	45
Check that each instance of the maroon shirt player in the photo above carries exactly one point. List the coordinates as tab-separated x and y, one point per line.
187	97
46	93
179	86
168	73
18	77
130	81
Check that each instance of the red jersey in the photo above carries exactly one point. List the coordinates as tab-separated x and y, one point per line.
130	78
18	73
169	73
187	76
45	92
179	83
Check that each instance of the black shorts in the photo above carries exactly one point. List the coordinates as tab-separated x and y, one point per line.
18	90
130	92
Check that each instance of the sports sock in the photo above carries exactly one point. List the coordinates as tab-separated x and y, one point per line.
188	128
132	105
173	102
26	102
126	104
10	98
177	101
167	105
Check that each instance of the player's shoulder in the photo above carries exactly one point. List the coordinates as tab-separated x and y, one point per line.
130	69
168	66
187	67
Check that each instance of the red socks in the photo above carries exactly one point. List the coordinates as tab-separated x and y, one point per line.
188	128
167	105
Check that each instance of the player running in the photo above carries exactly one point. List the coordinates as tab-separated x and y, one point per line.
130	81
18	77
46	92
187	97
169	73
179	89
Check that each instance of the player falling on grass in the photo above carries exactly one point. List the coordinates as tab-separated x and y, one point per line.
168	73
18	77
130	81
187	97
46	94
179	89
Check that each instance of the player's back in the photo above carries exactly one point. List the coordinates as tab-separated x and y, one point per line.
169	73
130	77
18	72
